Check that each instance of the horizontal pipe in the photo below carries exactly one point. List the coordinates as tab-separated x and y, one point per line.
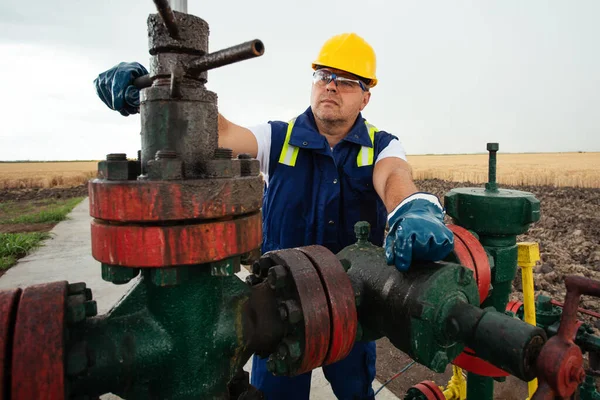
230	55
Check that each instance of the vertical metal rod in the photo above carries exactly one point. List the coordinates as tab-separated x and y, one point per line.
179	5
491	186
166	13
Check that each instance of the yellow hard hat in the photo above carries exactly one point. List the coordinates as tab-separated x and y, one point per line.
351	53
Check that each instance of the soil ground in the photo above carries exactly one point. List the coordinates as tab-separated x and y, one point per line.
568	233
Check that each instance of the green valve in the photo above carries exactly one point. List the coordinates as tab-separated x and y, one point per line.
492	211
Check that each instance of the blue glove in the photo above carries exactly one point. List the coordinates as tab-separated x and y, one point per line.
417	232
115	89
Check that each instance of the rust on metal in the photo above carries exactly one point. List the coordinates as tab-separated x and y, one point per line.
143	246
166	13
482	269
138	201
560	363
240	52
38	367
9	300
581	310
340	298
313	302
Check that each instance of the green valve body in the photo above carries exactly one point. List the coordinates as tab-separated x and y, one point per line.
497	216
183	341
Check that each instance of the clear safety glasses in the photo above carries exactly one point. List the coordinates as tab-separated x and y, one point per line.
322	77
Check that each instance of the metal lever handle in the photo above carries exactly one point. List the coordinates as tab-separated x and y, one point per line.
230	55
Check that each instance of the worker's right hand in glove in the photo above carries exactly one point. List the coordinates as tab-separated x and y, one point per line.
115	87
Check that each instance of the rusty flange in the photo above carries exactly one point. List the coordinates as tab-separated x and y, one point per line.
472	255
425	390
155	201
9	300
310	297
341	301
170	245
38	364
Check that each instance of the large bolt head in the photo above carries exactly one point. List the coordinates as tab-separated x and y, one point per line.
493	147
277	277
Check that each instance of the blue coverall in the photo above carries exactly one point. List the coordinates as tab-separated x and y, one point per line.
315	195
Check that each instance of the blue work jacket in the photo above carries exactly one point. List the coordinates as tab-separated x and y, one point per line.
315	194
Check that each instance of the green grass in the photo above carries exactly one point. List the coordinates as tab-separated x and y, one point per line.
49	213
16	245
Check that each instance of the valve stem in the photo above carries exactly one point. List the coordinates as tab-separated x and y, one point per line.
492	186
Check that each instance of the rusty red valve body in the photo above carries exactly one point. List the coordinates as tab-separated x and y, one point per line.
560	363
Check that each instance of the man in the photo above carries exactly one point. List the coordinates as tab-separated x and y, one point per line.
325	170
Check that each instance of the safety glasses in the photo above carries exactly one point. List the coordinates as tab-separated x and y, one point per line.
322	77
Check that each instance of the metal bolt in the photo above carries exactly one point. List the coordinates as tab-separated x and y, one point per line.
76	308
293	349
117	274
261	267
493	147
76	288
223	153
91	308
464	276
116	157
277	276
283	314
362	230
164	154
282	351
439	362
293	311
253	280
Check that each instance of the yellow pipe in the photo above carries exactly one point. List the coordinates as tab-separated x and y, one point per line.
528	256
457	385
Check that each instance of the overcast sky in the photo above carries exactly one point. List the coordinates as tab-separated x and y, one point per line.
453	75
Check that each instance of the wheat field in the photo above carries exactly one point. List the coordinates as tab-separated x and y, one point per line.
46	174
552	169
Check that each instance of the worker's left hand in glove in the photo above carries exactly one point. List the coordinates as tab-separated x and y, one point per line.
115	87
417	232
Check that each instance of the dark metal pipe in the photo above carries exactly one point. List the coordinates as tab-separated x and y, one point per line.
508	343
166	13
230	55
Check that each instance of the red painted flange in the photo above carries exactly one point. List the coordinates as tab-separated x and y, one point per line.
472	255
153	201
38	365
313	302
170	245
430	390
513	306
9	300
341	300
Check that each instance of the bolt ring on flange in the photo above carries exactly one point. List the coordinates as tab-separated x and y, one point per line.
312	300
341	300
